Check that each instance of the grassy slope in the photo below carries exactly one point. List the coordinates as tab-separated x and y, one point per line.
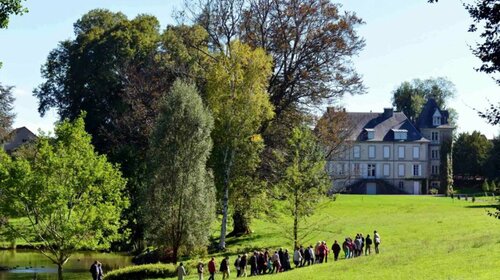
422	238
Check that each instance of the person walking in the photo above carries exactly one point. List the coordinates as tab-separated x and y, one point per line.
199	268
302	253
286	257
297	257
211	269
181	272
100	273
321	252
276	262
326	251
243	266
307	256
311	252
253	264
224	268
368	245
336	250
376	236
237	266
345	248
94	270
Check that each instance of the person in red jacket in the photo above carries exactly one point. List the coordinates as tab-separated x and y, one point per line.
321	252
211	269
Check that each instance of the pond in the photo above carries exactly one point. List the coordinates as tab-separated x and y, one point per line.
28	264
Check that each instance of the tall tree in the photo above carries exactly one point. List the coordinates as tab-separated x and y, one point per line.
180	200
493	161
410	97
311	43
6	114
8	8
304	179
71	196
237	96
117	69
470	154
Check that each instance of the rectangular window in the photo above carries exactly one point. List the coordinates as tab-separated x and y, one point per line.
371	170
387	152
417	170
416	152
435	137
357	151
386	170
401	170
371	151
356	169
435	169
371	134
434	154
401	152
436	120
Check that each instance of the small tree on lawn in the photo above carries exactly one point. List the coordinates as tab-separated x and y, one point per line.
180	200
493	186
71	196
304	179
485	186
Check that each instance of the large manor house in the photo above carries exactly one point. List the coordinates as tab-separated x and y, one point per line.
389	153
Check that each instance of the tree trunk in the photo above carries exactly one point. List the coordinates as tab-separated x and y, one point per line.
228	160
59	271
241	224
223	230
295	221
175	252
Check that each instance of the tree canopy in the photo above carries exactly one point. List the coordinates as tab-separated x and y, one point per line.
470	154
304	178
237	96
71	196
311	43
410	97
8	8
6	114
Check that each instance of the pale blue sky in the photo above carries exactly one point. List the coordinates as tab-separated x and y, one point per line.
404	40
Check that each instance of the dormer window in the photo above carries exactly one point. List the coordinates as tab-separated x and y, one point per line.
370	133
400	134
436	118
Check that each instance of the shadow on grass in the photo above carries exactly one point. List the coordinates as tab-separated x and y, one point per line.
482	206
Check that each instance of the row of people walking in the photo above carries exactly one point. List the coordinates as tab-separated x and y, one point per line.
266	262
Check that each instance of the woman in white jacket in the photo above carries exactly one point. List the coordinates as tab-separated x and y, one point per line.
297	257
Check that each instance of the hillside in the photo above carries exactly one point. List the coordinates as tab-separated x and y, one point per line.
422	238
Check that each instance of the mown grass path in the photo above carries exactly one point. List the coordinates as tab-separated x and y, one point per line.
423	237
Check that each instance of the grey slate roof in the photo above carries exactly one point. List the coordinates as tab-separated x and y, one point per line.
18	137
424	120
384	125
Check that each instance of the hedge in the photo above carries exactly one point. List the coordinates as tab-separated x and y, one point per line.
140	272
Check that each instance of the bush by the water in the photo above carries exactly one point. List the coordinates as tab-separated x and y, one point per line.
140	272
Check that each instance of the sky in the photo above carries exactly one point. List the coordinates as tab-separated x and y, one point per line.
405	40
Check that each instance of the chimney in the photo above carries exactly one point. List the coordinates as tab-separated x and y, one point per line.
388	112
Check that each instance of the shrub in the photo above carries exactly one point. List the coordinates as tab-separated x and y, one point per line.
139	272
493	186
433	191
485	186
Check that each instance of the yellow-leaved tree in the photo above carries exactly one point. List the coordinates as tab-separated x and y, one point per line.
236	93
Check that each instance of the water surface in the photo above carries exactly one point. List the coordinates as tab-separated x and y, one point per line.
28	265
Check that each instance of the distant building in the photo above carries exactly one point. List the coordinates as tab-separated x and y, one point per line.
17	138
388	153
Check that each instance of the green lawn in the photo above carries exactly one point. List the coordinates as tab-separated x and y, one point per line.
423	237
